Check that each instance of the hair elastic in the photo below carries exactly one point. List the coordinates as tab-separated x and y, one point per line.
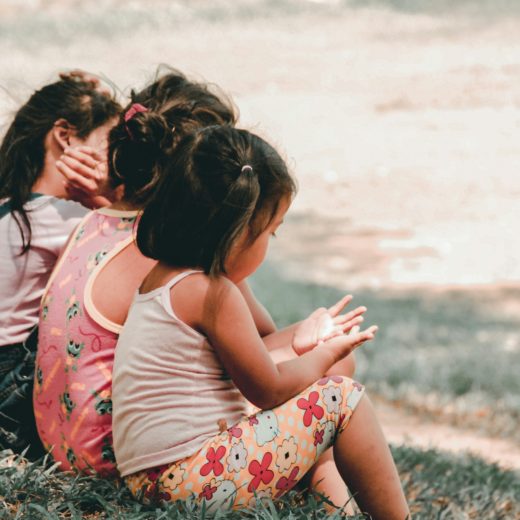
247	169
136	108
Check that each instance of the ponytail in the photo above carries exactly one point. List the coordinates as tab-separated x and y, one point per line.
223	184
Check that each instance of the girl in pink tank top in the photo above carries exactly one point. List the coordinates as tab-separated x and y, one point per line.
77	338
72	395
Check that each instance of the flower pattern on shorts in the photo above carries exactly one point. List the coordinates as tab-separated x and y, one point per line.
286	454
265	454
260	472
332	398
173	478
311	408
284	484
213	463
209	490
237	458
327	379
234	432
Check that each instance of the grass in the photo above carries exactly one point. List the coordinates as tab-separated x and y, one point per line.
452	354
436	344
437	486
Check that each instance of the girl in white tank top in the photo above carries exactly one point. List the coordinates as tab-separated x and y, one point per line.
190	355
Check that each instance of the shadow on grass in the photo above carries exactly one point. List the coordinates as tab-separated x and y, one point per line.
454	353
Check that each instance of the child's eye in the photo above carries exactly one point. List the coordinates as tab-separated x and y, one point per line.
273	234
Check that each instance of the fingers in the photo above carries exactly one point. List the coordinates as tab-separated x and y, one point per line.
83	168
76	180
85	77
343	318
83	152
80	75
344	328
346	343
355	329
338	307
362	336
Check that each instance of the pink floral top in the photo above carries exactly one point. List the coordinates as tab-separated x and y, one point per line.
73	384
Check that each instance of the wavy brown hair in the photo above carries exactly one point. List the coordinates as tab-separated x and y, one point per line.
22	152
175	107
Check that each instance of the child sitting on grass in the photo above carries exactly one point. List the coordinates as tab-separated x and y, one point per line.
35	223
190	354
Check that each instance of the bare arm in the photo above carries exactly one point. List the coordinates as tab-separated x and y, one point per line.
263	321
230	328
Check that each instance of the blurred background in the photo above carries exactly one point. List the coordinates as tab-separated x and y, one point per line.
400	120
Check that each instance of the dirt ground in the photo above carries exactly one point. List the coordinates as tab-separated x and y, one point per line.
401	126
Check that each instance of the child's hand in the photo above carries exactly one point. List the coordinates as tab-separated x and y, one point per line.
86	77
324	324
86	174
342	345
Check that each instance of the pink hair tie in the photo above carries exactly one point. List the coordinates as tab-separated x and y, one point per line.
136	108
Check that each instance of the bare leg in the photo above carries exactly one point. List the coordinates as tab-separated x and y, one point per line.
326	480
364	461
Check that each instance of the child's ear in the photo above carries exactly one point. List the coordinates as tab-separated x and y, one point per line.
62	132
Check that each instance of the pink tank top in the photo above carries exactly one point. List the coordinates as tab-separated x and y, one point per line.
73	383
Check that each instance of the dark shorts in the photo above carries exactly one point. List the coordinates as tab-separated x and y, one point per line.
17	424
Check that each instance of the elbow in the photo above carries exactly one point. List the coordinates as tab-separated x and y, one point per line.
265	400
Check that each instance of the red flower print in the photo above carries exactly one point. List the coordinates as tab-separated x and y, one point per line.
153	494
213	463
260	471
324	380
207	492
284	484
253	420
153	474
318	437
310	407
235	431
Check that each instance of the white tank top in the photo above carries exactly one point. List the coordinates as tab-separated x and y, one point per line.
169	388
23	278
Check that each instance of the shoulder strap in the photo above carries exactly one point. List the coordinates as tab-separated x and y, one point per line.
165	291
176	279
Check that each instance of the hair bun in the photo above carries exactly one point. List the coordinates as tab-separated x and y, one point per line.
149	129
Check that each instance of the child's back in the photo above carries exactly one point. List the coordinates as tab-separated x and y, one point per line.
175	388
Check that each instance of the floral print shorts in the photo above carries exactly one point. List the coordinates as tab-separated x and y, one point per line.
264	455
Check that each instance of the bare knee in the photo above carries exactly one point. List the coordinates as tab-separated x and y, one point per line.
345	367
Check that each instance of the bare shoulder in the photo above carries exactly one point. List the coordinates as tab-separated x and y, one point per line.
198	299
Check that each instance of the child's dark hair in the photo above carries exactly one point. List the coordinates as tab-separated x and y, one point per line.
175	107
221	183
22	151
